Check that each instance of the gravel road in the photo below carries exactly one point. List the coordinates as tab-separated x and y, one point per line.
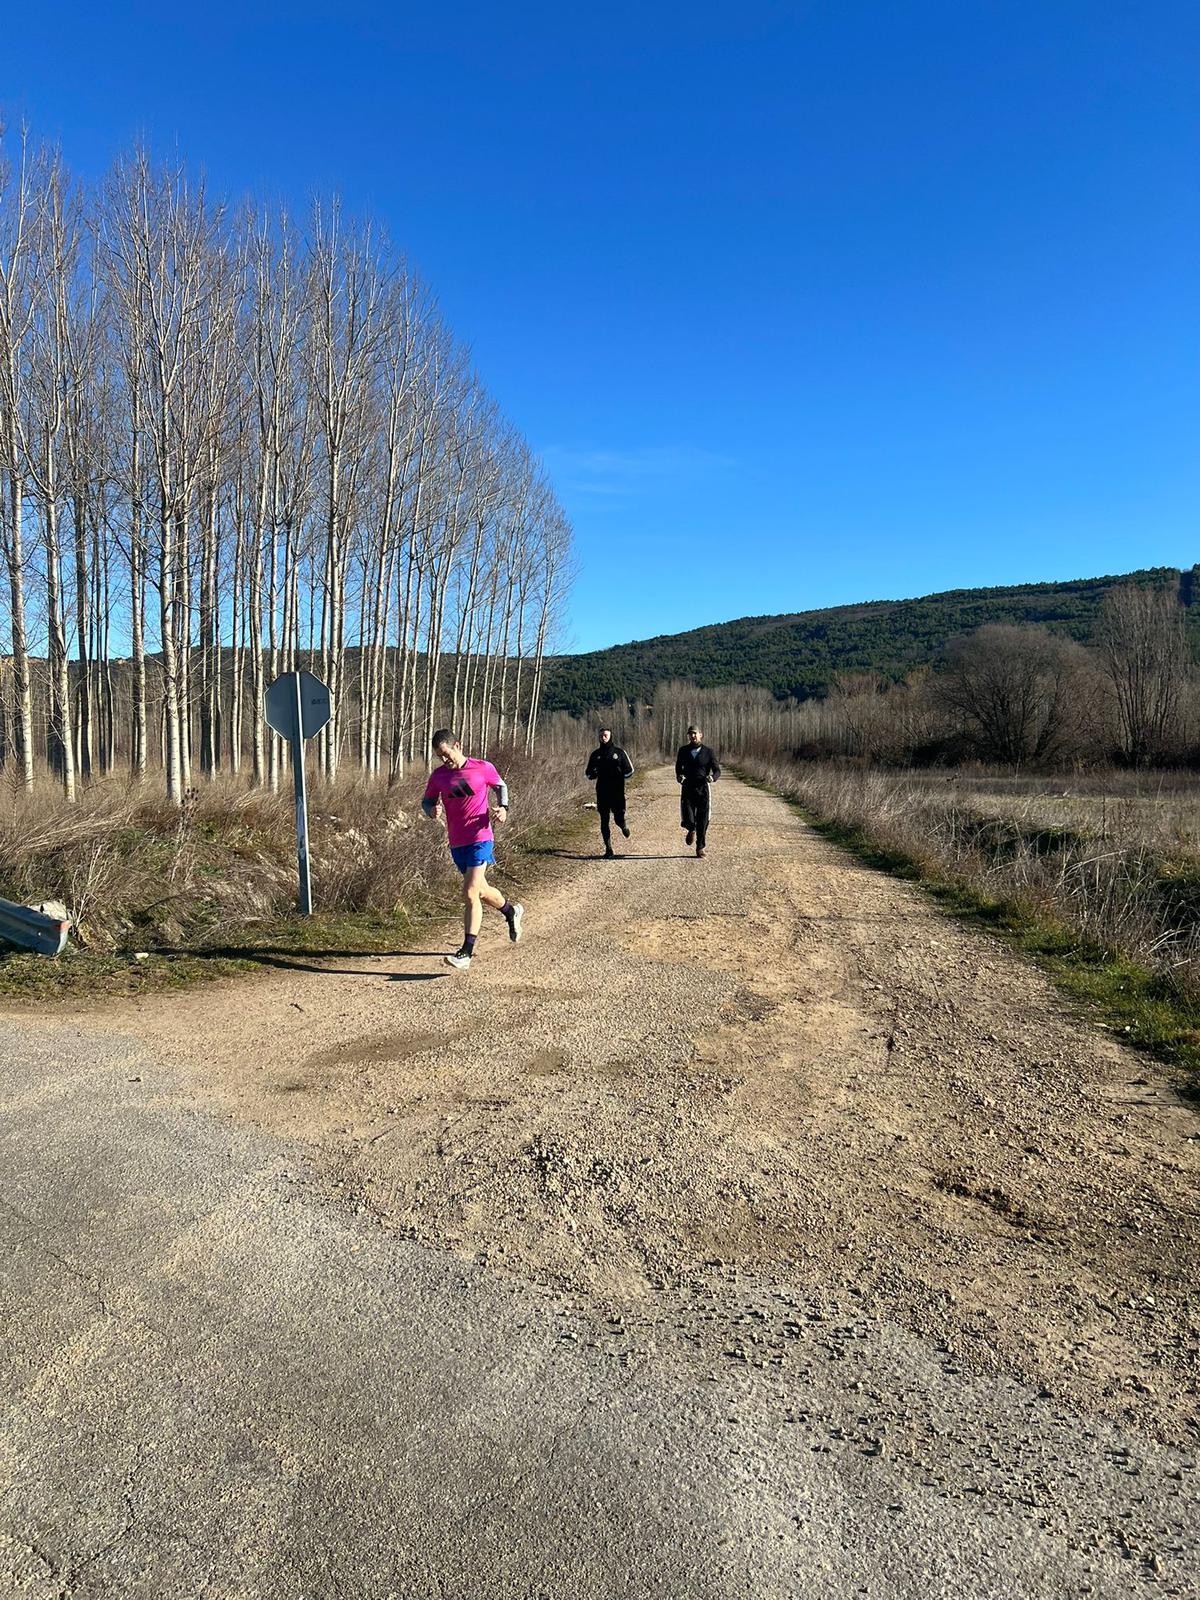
747	1230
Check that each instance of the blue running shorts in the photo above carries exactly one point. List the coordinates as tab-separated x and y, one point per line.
479	854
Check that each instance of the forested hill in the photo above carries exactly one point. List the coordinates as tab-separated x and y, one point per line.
801	652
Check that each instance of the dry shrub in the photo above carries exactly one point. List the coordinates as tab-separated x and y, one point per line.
131	868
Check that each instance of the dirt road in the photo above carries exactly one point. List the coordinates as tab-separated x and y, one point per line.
900	1255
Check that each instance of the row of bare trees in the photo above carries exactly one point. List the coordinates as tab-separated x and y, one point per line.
1015	695
230	445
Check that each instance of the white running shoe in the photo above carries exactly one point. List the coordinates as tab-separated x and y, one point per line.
514	923
460	961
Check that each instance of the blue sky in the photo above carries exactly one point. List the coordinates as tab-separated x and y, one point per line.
801	302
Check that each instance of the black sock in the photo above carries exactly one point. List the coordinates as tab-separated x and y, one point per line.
506	911
468	945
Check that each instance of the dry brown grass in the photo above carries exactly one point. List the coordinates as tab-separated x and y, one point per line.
133	870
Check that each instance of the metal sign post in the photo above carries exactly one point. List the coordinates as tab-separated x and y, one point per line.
301	787
297	706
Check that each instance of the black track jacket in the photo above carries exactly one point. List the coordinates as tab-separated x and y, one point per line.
695	765
608	766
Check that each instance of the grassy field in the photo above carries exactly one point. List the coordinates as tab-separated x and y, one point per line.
160	897
1097	878
1158	811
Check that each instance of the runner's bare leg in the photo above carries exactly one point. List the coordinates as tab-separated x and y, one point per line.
477	893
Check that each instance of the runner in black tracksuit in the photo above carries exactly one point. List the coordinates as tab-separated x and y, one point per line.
695	767
608	767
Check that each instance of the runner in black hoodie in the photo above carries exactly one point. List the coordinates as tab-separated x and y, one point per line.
608	767
695	767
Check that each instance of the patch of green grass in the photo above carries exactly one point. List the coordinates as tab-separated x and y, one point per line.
85	974
549	838
332	932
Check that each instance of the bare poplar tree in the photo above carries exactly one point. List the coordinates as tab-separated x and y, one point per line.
1144	647
18	300
346	295
57	235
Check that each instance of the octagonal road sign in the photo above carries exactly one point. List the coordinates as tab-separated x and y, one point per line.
282	698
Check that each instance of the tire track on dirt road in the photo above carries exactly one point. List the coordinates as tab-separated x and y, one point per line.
768	1127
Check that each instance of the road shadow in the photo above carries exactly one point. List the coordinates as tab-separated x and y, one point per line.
285	965
265	952
868	916
296	960
627	855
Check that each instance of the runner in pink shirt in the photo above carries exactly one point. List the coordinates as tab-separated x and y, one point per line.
460	786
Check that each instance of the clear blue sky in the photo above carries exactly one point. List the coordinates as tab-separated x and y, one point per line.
802	303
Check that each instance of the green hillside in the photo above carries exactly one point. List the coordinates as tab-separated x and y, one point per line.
799	653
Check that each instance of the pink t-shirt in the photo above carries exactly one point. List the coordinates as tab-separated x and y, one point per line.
464	793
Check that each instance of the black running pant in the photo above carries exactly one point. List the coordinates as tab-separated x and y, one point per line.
610	803
694	810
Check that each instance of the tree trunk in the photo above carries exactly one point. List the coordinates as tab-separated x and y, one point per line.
22	690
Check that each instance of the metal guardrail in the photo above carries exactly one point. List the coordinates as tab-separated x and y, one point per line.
33	929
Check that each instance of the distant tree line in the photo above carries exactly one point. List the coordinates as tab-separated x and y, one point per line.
801	655
1018	695
231	444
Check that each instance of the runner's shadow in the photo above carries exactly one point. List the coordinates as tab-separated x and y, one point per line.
288	962
359	972
598	855
306	960
870	916
267	953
